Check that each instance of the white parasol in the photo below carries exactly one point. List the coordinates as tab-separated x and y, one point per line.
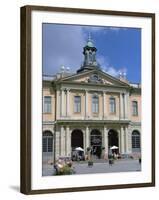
79	149
114	147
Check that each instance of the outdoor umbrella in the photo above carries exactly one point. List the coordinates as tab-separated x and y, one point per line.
114	147
79	149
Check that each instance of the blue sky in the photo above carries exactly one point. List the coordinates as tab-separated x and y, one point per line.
118	49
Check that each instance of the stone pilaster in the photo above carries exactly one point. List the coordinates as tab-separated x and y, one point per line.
86	103
121	106
122	144
58	105
87	137
68	141
105	138
104	106
67	103
62	137
62	103
126	140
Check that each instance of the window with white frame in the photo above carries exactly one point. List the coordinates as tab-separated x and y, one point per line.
135	108
112	105
47	104
77	104
95	104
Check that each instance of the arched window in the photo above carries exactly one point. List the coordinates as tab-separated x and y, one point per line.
136	141
112	105
47	141
95	104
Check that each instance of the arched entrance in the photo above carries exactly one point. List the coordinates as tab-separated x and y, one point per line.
96	143
113	140
77	139
136	144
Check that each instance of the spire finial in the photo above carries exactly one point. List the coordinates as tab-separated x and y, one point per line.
89	36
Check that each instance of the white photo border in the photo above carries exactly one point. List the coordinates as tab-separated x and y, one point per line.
56	182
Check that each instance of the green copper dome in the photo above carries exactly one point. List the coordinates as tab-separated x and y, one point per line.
90	43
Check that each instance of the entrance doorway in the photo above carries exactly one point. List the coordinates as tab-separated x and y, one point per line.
77	143
96	143
113	140
77	139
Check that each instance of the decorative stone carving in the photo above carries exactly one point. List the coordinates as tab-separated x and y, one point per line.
94	78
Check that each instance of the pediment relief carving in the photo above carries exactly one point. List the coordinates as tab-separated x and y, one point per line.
96	77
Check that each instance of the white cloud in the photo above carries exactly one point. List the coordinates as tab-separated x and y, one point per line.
112	71
108	68
63	46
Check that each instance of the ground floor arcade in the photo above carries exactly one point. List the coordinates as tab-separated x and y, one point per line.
62	138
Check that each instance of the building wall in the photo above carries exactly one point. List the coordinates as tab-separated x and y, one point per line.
62	104
64	98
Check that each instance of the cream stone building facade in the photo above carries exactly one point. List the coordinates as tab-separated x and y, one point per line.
90	109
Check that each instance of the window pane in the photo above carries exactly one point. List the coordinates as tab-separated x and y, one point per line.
47	104
112	105
50	144
95	104
47	144
135	107
77	104
135	140
44	144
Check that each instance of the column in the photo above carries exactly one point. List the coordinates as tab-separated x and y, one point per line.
119	140
126	140
105	139
125	105
121	106
86	103
68	141
104	105
62	102
57	144
62	146
87	137
122	140
67	102
58	106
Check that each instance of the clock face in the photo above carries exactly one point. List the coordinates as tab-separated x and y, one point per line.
95	77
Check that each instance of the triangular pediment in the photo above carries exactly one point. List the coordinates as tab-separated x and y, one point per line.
94	77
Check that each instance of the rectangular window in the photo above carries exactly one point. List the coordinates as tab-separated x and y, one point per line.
77	104
47	104
112	105
134	108
95	104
